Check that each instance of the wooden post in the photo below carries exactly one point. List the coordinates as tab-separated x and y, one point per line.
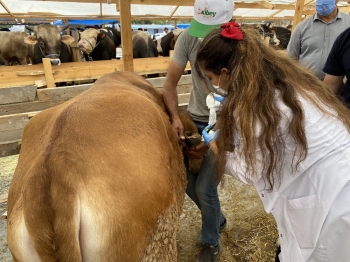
75	50
50	82
126	34
299	7
66	22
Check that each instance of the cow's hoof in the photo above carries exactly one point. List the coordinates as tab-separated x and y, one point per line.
192	139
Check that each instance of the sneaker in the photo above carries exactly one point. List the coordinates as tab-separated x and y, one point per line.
199	240
209	253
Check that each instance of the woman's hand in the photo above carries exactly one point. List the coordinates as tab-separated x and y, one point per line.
209	134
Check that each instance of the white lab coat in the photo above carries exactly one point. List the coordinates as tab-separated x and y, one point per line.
311	206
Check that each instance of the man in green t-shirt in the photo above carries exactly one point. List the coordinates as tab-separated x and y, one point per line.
202	187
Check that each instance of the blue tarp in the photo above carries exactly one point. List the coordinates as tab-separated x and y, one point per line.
85	22
182	26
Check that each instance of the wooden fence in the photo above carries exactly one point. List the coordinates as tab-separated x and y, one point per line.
22	95
45	75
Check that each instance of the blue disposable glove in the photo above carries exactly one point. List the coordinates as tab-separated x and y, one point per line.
209	134
219	98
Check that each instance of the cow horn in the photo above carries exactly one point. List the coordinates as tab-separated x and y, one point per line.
64	28
30	28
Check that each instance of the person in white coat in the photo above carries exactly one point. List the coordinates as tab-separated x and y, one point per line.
282	131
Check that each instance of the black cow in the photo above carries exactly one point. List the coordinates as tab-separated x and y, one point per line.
48	43
142	45
99	44
167	42
114	34
279	36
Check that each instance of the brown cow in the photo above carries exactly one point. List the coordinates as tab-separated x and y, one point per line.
99	178
49	43
13	48
142	45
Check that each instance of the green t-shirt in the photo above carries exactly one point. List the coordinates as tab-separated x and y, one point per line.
186	50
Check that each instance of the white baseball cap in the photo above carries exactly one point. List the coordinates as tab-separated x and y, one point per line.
210	14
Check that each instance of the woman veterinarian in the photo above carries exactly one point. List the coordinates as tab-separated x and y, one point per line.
282	131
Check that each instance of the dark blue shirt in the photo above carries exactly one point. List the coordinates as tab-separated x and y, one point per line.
338	62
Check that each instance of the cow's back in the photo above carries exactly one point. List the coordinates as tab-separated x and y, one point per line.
99	178
143	45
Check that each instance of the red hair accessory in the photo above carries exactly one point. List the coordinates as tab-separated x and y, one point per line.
232	31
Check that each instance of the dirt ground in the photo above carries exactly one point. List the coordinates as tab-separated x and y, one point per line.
250	235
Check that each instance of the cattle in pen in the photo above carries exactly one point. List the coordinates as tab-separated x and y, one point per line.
167	42
99	44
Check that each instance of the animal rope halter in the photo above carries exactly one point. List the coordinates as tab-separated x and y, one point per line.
50	55
93	47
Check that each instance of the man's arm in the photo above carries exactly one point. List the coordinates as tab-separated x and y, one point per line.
333	82
170	96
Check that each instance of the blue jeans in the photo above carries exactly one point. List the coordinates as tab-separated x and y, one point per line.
202	189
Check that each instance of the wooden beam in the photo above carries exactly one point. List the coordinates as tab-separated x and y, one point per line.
264	4
173	12
260	5
138	2
65	20
5	7
75	71
48	73
126	34
163	2
85	1
18	108
299	7
275	13
263	18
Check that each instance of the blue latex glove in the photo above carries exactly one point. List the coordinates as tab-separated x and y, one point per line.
219	98
209	134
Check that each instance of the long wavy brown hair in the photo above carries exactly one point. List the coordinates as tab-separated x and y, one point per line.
256	72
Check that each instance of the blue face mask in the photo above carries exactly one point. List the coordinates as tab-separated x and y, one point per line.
325	7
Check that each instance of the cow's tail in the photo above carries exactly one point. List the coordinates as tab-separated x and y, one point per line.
50	221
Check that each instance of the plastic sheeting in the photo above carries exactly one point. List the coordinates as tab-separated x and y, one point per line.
85	22
92	10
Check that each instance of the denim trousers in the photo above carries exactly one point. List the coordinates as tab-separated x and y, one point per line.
202	189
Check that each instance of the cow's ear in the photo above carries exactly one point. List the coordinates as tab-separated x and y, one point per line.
67	39
31	39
